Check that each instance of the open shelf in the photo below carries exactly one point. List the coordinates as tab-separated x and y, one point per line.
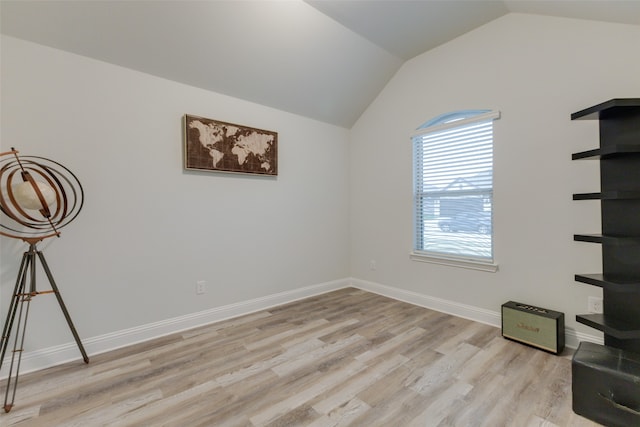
606	152
615	284
607	109
609	195
619	329
607	240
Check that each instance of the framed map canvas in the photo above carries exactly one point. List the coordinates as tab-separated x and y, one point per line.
220	146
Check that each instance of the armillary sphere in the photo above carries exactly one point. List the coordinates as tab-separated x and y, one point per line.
39	196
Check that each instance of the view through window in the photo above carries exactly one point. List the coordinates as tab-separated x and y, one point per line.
453	186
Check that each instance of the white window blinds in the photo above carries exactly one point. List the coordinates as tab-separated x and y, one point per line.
453	186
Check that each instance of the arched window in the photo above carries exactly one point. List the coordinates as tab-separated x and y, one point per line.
453	189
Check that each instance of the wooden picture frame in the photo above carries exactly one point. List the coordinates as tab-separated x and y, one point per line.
213	145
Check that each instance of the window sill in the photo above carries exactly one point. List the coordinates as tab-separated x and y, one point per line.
453	262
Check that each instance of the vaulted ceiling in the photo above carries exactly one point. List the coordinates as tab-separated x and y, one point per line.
323	59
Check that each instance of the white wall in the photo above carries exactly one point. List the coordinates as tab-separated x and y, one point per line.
537	71
149	230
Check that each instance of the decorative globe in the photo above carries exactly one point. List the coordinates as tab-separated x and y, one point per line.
27	197
38	196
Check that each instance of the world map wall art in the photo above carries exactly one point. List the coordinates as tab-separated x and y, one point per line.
213	145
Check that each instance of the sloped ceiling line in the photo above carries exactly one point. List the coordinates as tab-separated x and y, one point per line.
323	59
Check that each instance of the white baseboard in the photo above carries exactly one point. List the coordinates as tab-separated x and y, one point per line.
52	356
493	318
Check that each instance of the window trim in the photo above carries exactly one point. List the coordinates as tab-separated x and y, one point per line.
472	264
428	128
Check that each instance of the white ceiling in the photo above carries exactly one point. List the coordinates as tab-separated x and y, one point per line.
324	59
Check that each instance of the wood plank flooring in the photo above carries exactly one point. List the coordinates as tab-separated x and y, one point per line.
345	358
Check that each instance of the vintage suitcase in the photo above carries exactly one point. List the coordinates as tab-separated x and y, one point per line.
606	385
534	326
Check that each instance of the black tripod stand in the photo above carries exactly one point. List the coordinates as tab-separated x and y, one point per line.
24	291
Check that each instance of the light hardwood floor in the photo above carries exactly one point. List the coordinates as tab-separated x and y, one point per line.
347	357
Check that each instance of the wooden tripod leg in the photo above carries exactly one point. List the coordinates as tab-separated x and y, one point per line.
63	307
18	345
13	307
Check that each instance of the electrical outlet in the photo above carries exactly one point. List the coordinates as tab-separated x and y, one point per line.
372	264
594	305
201	287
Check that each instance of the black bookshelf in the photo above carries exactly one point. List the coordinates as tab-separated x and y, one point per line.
619	195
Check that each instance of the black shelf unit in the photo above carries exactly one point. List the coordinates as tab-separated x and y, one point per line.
619	195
